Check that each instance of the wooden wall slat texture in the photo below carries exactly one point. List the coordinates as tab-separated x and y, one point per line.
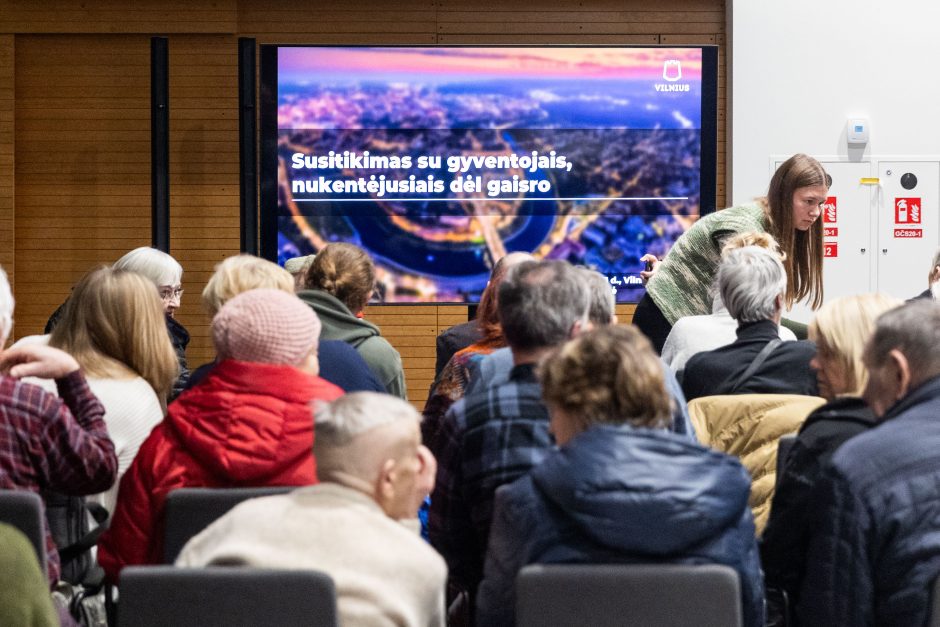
75	125
7	162
66	171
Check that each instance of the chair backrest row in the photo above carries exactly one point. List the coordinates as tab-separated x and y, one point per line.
190	510
660	595
23	510
155	596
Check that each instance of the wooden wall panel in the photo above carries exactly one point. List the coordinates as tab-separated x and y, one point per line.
203	170
78	103
7	188
117	16
82	162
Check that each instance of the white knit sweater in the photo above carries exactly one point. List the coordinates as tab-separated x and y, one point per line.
385	574
132	410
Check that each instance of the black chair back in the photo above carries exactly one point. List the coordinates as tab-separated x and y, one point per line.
156	596
784	444
934	604
23	510
665	595
190	510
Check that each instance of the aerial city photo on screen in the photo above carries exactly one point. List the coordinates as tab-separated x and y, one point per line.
439	160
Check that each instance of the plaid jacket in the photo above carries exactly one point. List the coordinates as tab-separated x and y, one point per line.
486	440
54	443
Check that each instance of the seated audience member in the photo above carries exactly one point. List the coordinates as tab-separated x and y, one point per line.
374	472
297	267
840	330
456	338
451	383
247	424
167	274
337	286
875	547
113	326
24	591
752	284
46	442
494	368
933	280
621	487
694	334
340	364
494	436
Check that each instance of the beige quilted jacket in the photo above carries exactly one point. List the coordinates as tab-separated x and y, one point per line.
748	426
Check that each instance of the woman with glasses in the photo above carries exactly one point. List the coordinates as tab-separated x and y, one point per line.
167	274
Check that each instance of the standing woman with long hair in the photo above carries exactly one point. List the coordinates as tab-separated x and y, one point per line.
113	325
679	285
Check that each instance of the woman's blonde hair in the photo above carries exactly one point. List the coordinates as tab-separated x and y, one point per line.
803	250
608	375
843	326
752	238
242	273
346	272
113	325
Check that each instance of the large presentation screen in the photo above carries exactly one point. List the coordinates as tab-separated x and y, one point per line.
440	160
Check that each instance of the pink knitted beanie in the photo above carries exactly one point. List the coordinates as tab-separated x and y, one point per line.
266	326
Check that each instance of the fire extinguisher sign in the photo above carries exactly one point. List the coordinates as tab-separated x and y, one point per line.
830	212
907	210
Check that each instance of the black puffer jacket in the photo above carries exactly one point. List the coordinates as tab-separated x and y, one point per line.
180	338
875	546
785	540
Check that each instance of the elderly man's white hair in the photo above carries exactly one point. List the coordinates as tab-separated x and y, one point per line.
750	280
6	308
348	437
154	264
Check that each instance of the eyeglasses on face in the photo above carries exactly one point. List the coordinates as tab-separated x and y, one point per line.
168	292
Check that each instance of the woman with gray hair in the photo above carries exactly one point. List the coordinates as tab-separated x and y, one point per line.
694	334
752	283
166	274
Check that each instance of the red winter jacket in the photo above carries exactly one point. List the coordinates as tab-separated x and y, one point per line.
245	425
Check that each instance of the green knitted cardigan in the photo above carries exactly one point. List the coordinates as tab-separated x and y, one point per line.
682	283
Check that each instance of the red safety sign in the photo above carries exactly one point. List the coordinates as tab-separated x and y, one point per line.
829	213
831	249
831	231
908	233
907	211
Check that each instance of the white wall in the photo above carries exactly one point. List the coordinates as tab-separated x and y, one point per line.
800	68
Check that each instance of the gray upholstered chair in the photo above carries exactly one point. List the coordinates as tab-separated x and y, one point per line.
190	510
155	596
664	595
23	510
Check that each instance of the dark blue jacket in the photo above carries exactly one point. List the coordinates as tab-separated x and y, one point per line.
340	364
875	549
619	494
